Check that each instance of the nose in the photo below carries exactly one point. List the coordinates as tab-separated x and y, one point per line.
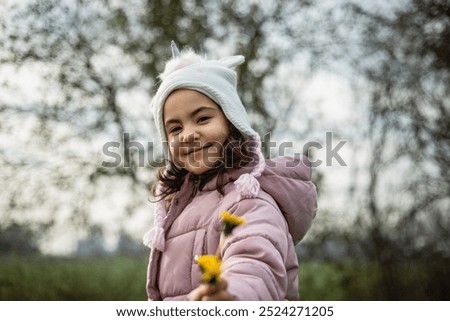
189	134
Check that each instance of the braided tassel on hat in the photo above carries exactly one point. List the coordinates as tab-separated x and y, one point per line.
247	184
155	238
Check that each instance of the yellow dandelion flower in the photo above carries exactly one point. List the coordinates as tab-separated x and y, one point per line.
210	265
230	222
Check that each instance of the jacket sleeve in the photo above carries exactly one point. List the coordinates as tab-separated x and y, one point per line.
254	256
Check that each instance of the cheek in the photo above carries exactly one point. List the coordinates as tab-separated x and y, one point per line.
173	148
224	134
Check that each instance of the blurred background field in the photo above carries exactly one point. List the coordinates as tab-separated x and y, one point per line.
123	278
46	278
361	87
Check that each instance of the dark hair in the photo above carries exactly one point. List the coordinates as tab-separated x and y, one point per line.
237	152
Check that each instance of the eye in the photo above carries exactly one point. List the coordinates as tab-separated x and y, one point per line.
203	119
174	130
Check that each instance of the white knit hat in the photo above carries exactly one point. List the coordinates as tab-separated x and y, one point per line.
216	80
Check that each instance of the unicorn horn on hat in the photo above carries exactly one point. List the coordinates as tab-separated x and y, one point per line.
175	51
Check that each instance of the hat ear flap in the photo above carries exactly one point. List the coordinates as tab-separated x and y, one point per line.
232	61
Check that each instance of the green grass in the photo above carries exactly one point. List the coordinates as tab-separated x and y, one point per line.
96	279
321	281
363	281
123	278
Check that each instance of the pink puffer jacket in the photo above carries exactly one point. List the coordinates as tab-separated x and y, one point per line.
258	258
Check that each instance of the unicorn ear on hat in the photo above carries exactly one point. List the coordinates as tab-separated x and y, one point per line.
232	61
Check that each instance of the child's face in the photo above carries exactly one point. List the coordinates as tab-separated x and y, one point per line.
196	129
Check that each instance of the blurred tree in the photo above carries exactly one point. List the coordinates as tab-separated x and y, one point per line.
53	167
127	246
17	238
406	60
93	244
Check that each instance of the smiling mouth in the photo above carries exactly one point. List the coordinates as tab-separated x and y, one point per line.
199	149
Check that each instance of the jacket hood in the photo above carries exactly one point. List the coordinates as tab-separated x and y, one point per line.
288	181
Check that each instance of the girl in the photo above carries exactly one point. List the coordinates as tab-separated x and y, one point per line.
215	164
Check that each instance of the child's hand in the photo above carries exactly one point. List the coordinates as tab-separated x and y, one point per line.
208	292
